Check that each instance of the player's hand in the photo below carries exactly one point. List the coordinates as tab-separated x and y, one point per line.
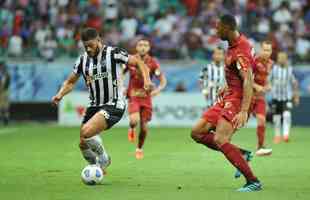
125	92
240	119
259	88
155	92
56	99
148	85
267	88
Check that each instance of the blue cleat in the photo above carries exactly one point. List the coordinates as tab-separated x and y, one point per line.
251	187
248	157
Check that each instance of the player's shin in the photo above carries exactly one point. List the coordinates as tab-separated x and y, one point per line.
233	154
260	131
277	128
286	125
89	155
96	146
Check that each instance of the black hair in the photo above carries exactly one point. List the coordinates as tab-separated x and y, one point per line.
229	20
89	34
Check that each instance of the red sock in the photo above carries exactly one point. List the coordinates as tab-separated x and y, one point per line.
260	131
208	140
142	136
233	154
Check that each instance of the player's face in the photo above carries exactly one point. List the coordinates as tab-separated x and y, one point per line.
282	58
143	47
218	55
221	31
92	47
266	50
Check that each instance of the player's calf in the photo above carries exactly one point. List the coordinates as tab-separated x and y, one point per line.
87	153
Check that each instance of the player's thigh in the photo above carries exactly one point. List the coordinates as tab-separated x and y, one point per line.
94	125
202	126
224	131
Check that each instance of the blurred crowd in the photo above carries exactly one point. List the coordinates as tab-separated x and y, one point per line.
177	28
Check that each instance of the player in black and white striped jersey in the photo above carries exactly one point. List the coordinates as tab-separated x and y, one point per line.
212	77
284	91
98	66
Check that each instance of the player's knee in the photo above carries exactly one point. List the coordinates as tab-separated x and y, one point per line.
86	131
83	144
261	121
195	135
220	140
133	123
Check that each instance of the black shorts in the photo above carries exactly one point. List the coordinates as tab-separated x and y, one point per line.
278	107
111	114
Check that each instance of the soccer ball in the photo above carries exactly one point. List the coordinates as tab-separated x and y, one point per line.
91	175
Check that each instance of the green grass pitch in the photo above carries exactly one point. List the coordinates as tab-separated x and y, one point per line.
43	162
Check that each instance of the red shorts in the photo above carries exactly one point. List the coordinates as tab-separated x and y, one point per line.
228	109
259	106
142	106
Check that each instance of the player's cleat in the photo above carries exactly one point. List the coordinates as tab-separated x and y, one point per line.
131	135
251	187
248	157
139	154
286	138
263	152
277	139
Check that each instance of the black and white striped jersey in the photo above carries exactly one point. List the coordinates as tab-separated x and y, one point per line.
101	74
212	78
282	79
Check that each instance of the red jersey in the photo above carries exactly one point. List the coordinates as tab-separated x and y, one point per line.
242	51
136	84
261	70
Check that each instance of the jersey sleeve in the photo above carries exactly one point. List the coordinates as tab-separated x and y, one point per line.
77	68
202	74
120	55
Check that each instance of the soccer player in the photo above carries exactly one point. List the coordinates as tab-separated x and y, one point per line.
284	91
139	99
4	93
262	67
218	124
98	66
212	78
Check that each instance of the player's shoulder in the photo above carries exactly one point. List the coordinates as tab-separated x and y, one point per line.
116	49
155	61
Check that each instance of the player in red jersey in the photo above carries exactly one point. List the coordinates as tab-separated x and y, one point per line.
139	100
262	67
217	125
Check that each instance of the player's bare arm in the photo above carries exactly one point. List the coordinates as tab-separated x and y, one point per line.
133	60
295	91
67	87
161	86
122	78
247	78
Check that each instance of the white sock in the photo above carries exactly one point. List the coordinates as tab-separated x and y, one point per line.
277	124
95	143
287	120
89	156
